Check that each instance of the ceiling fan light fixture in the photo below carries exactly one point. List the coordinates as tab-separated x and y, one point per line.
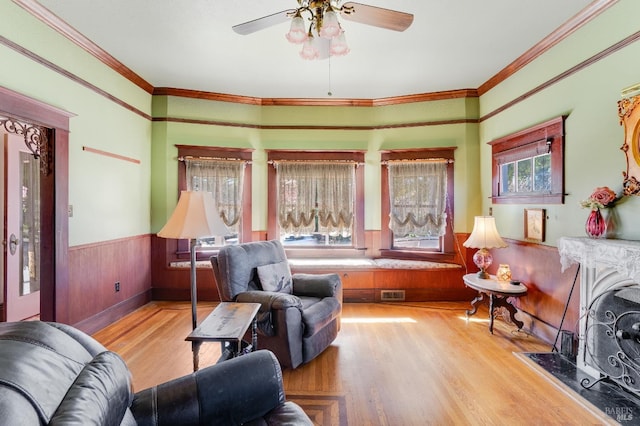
330	25
324	36
310	50
297	32
339	46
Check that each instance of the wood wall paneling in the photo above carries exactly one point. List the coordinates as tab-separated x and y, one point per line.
169	283
538	267
93	271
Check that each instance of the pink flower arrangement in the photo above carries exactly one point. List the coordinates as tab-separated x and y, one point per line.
601	198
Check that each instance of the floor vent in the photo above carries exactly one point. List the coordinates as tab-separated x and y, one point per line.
392	295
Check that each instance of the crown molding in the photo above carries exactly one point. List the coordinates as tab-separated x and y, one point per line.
57	24
222	97
566	29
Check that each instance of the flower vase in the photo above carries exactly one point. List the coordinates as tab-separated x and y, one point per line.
596	226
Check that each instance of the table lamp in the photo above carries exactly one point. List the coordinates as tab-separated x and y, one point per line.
484	236
195	216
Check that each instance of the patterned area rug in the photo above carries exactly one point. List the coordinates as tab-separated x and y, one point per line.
324	410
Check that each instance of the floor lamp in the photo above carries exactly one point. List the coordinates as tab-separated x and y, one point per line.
195	216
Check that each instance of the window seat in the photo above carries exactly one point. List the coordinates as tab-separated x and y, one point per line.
370	280
381	263
343	263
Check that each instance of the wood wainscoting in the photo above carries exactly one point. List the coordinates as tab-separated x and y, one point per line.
417	285
173	283
359	284
94	270
538	267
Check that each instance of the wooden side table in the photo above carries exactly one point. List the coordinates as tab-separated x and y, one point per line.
226	324
499	294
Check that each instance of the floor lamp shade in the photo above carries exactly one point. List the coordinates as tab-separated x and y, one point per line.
483	236
195	216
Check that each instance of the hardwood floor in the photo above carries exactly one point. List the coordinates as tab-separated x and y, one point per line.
392	364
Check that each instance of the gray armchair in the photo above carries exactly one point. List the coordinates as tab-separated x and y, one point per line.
300	313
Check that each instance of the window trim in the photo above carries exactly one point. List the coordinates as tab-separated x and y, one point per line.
245	154
273	228
447	253
550	134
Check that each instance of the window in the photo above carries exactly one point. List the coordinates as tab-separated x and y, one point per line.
316	199
315	202
224	180
226	173
528	166
531	174
417	203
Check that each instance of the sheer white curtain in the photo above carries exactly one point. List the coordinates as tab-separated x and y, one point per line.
307	190
418	193
224	179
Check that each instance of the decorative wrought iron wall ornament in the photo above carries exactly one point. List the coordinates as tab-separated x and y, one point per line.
35	139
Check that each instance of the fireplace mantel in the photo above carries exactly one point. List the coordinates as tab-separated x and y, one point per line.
606	266
621	255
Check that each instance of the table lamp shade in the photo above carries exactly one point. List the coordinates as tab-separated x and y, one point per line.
194	217
484	234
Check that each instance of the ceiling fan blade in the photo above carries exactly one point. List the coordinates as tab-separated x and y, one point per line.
262	23
377	16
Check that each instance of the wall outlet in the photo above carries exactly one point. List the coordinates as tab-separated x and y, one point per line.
117	286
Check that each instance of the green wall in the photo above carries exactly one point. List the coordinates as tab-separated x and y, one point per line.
594	136
110	197
251	126
113	199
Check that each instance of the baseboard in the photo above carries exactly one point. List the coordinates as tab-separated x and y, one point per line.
113	313
567	390
182	294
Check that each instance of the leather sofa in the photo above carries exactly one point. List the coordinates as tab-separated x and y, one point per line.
299	315
52	373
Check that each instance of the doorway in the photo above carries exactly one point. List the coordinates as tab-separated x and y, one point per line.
44	130
22	232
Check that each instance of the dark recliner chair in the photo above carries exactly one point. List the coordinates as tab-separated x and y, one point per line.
299	315
54	374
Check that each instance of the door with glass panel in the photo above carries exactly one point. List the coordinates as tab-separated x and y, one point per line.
22	230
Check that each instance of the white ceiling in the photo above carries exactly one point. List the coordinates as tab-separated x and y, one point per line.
189	44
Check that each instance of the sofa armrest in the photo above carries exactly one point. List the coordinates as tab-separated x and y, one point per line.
270	300
317	285
232	392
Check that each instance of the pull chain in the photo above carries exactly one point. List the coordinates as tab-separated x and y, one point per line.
329	92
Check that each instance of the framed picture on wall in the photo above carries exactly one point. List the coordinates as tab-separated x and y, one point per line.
534	225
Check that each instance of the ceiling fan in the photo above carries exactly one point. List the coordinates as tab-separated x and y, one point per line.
324	36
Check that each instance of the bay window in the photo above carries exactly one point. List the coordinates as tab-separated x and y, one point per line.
226	173
316	199
315	202
224	179
417	203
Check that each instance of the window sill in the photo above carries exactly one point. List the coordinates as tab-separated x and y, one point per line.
529	199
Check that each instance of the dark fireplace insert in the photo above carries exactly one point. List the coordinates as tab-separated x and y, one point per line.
612	338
